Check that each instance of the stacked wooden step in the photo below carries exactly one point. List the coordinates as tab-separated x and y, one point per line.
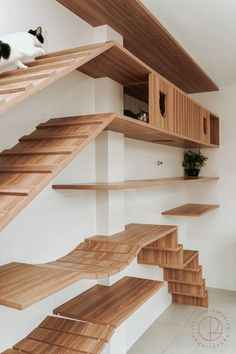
31	164
181	269
91	319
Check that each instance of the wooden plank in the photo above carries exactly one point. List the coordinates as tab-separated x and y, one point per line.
54	136
65	150
110	305
147	39
133	184
15	190
36	347
70	123
26	78
22	284
86	329
195	210
26	168
67	340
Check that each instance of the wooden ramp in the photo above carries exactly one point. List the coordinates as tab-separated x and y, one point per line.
22	285
106	308
96	60
31	164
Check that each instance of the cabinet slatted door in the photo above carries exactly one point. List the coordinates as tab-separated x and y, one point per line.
205	126
161	103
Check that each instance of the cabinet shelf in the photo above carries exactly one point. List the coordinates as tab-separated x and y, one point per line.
134	184
195	210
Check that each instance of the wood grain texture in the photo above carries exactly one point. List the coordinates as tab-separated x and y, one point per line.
147	39
110	305
181	269
112	61
22	285
195	210
134	184
38	157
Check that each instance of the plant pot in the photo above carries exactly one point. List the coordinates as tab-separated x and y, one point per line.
192	173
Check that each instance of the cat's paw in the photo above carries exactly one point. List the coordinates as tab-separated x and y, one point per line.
20	65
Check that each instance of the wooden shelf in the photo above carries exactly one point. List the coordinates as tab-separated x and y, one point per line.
147	39
110	305
134	184
195	210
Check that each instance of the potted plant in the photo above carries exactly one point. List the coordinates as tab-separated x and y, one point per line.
193	162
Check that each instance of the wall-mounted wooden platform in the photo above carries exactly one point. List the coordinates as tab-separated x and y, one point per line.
147	39
97	60
22	285
195	210
134	184
110	305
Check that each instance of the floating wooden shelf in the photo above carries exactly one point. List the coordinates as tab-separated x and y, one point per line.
191	210
146	38
110	305
134	184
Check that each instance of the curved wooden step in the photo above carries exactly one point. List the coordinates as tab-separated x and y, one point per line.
19	283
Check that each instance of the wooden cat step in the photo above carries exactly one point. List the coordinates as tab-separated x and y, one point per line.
66	150
54	136
191	300
110	305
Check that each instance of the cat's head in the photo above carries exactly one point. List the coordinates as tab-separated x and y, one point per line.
38	34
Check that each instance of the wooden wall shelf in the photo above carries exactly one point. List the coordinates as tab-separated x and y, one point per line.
145	37
195	210
134	184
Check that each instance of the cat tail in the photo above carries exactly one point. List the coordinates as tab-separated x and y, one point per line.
5	50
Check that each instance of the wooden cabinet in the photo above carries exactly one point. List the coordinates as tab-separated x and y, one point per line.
173	111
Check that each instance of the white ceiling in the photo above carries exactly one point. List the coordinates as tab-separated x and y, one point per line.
207	31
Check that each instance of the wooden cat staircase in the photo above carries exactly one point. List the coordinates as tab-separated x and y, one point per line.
102	257
86	323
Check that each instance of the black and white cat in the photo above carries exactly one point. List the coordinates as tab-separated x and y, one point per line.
17	47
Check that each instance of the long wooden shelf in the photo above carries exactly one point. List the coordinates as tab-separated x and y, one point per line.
195	210
133	184
146	38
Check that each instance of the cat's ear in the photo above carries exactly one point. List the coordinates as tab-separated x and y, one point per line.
39	31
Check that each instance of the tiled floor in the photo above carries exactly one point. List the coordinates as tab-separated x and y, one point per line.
191	330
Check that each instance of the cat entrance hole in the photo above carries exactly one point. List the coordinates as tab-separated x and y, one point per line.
205	125
162	103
